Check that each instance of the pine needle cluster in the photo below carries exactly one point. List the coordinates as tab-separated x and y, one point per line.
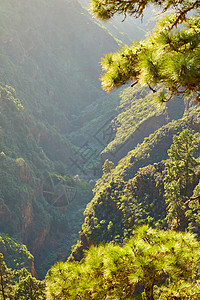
169	58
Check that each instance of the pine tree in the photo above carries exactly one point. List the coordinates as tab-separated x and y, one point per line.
105	10
180	176
6	280
167	61
162	258
19	284
193	213
28	287
158	260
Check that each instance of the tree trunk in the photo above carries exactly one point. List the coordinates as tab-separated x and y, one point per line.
149	292
2	287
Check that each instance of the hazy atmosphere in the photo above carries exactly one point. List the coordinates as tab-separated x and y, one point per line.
99	149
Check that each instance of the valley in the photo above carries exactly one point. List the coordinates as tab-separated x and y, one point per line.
81	168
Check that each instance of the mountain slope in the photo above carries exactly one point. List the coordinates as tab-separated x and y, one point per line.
49	55
132	192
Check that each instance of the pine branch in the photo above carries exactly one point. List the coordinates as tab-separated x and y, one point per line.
194	198
154	91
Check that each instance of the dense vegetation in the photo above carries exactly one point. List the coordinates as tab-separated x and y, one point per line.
16	255
138	116
121	201
25	211
132	244
163	263
37	57
19	284
168	59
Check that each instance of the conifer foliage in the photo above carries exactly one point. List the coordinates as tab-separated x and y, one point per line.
180	177
19	284
105	9
6	280
167	61
164	263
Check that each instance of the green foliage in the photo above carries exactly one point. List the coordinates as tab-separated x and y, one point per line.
25	214
55	82
123	206
15	254
128	197
33	136
6	280
107	9
108	166
179	290
139	116
168	58
162	257
180	177
19	284
46	72
193	212
154	259
152	149
28	287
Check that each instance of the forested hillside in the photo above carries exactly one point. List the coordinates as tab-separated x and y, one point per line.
106	185
49	60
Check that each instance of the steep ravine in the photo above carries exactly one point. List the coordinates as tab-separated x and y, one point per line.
48	54
52	136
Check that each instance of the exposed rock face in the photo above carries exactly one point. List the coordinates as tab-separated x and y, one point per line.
27	217
78	252
24	212
24	171
33	271
40	240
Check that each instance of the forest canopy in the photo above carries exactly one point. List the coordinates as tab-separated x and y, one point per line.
167	61
163	263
